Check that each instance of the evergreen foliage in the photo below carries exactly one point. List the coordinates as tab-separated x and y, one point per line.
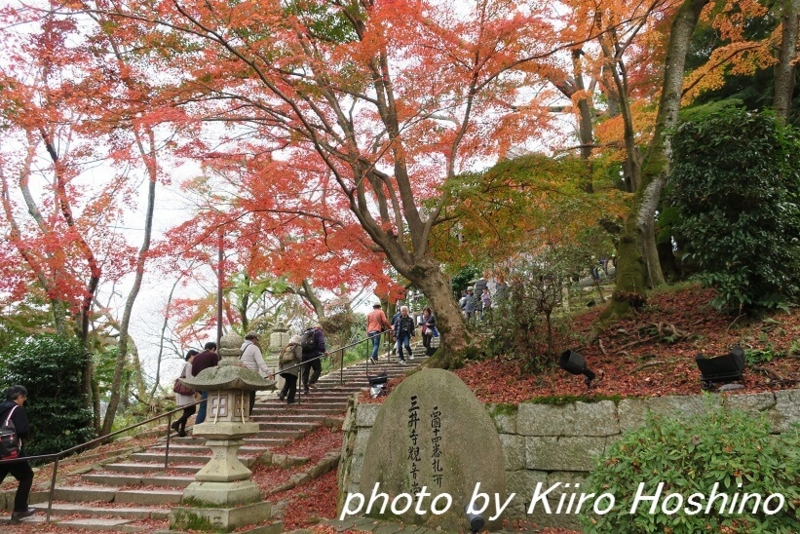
51	368
729	448
736	184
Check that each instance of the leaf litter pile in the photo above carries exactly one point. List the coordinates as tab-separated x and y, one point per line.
653	354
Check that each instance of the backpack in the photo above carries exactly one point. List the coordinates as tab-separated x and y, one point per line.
287	354
9	440
309	340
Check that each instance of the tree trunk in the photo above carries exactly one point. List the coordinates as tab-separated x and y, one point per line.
784	71
149	156
635	271
455	338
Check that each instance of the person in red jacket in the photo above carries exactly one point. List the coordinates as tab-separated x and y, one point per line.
21	470
376	323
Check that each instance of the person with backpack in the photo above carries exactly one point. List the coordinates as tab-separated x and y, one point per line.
404	330
312	342
253	359
204	360
376	323
13	416
184	399
289	368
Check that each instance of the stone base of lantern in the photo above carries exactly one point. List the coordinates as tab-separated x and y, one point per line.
221	493
219	519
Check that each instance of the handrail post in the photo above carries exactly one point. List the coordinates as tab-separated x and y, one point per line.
52	491
341	369
166	451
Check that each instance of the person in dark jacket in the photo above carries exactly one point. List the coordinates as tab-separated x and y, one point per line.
21	470
204	360
404	330
309	361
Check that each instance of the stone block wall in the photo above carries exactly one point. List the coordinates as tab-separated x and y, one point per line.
559	443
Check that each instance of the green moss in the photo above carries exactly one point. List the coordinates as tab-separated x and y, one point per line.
560	400
188	521
503	409
197	503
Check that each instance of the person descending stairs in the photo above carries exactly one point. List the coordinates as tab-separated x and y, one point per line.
137	493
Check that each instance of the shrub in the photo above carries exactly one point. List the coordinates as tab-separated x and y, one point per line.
721	447
523	323
51	369
736	185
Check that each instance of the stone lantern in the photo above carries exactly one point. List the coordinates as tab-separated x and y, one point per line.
278	339
224	481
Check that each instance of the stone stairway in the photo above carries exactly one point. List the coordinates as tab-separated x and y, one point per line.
137	494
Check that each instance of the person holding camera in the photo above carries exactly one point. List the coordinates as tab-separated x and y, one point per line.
12	411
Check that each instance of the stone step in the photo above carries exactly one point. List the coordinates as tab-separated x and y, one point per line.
116	495
138	467
184	458
287	417
307	408
149	496
182	449
252	445
85	493
122	479
267	434
312	401
287	426
62	508
319	395
99	524
350	375
269	443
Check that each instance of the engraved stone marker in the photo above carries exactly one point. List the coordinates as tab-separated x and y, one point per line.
432	433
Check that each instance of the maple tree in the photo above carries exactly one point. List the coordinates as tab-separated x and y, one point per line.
634	263
70	101
750	40
520	206
271	252
384	100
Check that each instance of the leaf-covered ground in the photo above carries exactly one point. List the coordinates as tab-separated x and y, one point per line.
650	355
654	353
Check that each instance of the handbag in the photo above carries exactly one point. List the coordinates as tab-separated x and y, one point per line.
9	440
178	386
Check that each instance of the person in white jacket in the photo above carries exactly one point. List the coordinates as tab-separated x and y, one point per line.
252	359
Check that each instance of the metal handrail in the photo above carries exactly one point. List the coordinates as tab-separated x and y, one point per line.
57	456
325	355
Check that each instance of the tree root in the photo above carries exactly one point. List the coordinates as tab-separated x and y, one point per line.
664	330
646	365
637	342
769	372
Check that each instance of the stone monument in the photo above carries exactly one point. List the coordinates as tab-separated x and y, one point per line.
223	496
432	433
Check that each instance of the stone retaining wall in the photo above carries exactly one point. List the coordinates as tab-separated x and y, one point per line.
558	443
